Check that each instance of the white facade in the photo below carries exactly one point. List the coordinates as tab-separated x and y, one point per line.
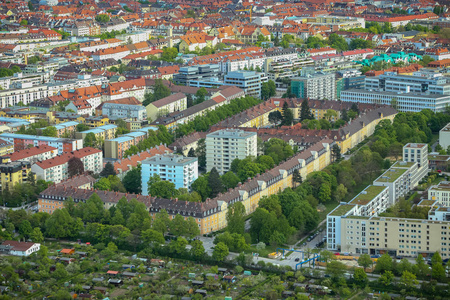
124	111
223	146
56	169
440	193
444	137
403	102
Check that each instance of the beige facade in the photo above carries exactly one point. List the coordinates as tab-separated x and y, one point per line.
396	236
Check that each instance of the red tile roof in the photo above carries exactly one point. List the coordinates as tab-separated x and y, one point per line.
25	153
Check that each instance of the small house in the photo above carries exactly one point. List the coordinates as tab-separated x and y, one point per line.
115	281
81	253
101	289
229	278
86	287
222	270
212	276
86	296
67	260
157	262
19	248
201	292
129	274
126	266
67	251
198	282
98	279
112	273
287	294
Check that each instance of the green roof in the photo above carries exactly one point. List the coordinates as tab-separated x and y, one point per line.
367	195
426	202
341	210
403	164
391	175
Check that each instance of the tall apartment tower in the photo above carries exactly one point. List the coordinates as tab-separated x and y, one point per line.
315	86
415	152
223	146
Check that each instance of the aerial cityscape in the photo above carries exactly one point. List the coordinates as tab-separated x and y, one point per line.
224	150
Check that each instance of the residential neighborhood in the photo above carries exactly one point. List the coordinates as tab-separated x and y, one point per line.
224	149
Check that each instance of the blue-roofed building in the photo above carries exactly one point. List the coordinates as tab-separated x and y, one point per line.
22	141
104	132
64	129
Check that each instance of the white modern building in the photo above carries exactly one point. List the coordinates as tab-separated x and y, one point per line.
422	90
416	152
315	86
249	81
444	137
56	168
180	170
440	193
223	146
124	111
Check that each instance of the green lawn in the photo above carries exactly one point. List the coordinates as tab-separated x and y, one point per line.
329	207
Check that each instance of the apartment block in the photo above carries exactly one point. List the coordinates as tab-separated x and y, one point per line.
180	170
65	128
440	193
115	148
223	146
12	173
164	106
6	147
56	168
415	152
196	73
22	141
356	226
401	178
105	132
315	86
34	154
125	111
249	81
444	137
426	82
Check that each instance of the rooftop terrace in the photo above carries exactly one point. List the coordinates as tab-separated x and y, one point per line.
367	195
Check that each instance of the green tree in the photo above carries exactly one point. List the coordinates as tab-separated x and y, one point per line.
161	188
326	256
384	263
365	261
408	280
160	90
50	131
177	226
90	140
169	54
288	115
161	222
220	252
436	258
200	95
230	180
191	228
152	236
201	186
25	228
360	277
236	218
305	111
81	127
108	170
336	152
102	18
215	183
36	235
386	278
268	89
197	250
335	269
132	180
275	117
438	272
